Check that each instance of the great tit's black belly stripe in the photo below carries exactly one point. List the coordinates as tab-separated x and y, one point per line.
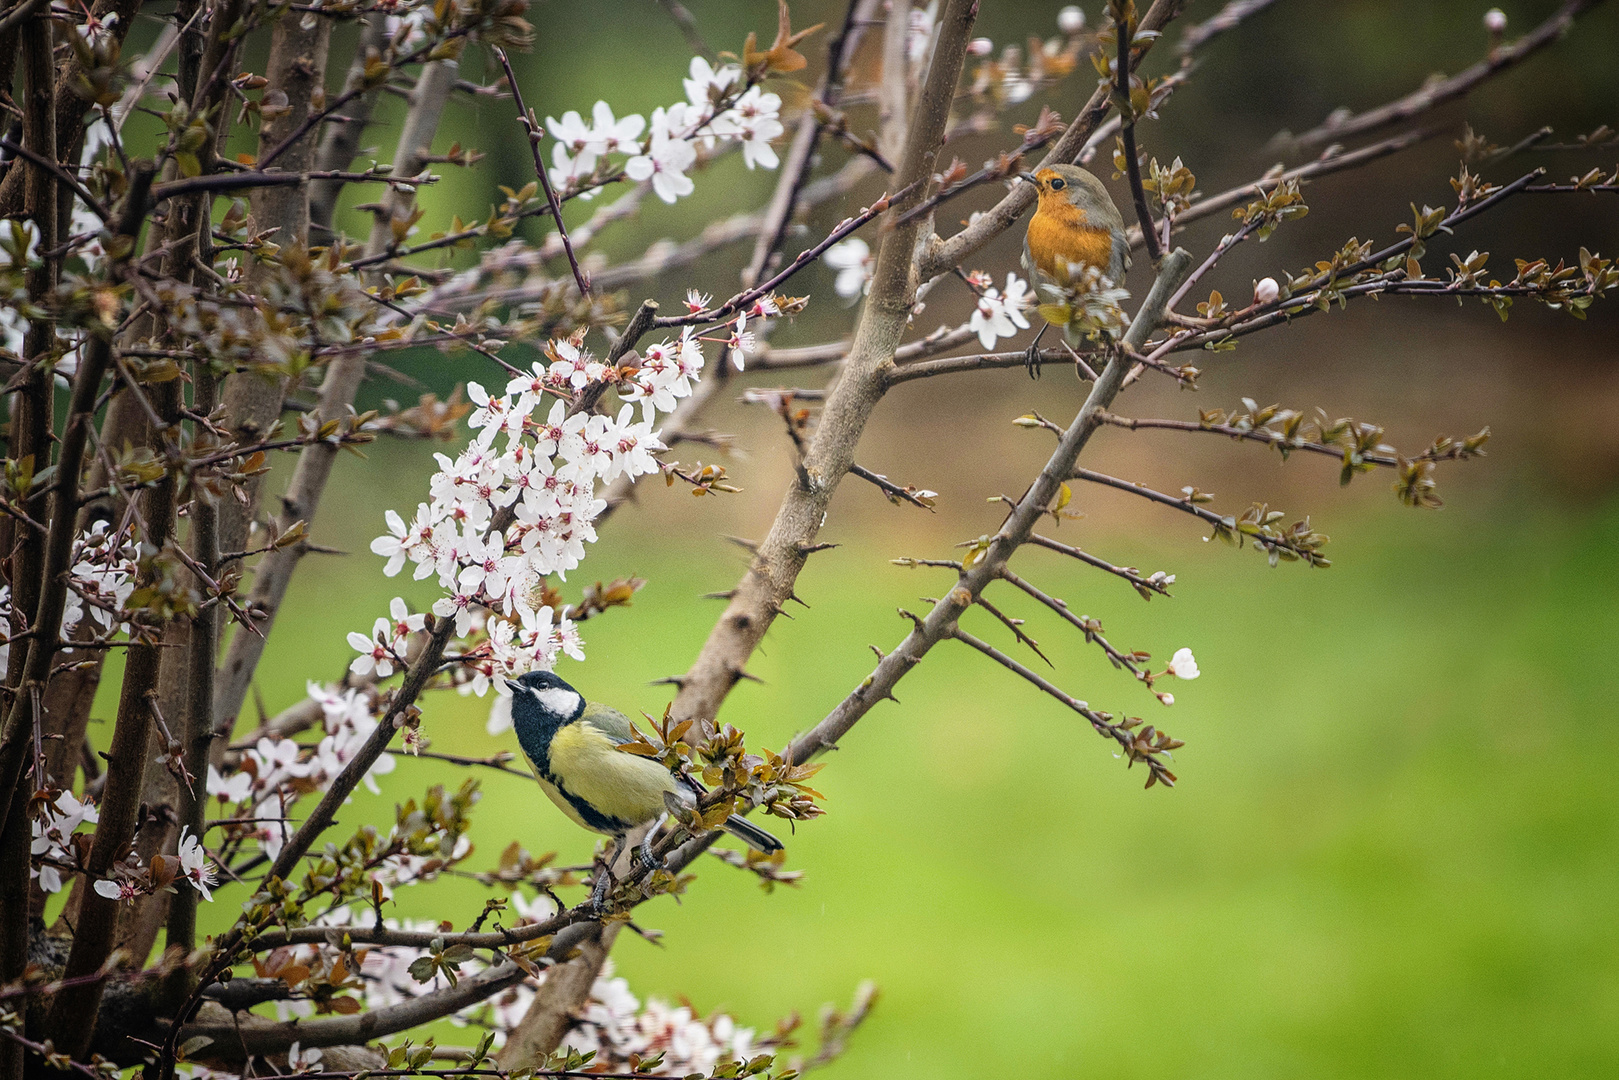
593	817
536	744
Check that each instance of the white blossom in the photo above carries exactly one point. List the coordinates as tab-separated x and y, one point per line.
1183	665
920	39
576	137
753	121
1495	21
998	316
1071	20
664	161
52	833
611	136
194	865
852	260
232	790
301	1061
705	78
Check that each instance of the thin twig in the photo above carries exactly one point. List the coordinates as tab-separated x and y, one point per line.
531	126
1127	130
1437	93
1146	586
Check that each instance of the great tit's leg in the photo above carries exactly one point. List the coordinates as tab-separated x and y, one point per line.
1031	357
604	877
644	857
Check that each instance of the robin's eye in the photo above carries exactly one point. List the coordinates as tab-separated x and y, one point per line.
1058	184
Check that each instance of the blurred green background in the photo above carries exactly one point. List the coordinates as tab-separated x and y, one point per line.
1393	849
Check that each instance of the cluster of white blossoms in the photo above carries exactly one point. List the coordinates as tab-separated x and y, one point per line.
543	469
53	831
614	1026
721	107
273	773
102	580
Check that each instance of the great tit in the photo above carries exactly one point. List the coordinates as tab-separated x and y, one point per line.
572	746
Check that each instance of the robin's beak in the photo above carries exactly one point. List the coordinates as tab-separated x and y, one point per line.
1030	177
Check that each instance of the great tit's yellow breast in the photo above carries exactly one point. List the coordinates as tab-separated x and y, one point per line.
1059	237
591	767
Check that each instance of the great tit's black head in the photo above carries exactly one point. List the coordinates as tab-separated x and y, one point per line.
540	696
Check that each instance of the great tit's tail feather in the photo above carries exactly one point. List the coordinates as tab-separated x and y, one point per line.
751	835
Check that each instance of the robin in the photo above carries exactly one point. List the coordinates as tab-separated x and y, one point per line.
1075	227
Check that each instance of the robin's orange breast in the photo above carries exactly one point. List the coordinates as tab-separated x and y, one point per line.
1056	241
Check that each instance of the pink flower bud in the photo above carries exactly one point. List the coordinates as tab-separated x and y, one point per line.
1495	21
1071	20
1266	290
980	46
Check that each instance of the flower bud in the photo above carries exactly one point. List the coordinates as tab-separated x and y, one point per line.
1071	20
1495	21
1266	290
1167	698
980	46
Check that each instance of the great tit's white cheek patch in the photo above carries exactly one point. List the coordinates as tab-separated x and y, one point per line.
559	701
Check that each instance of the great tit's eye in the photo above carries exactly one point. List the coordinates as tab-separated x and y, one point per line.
1058	184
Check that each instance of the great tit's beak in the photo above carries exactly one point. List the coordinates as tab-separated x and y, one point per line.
1030	177
512	685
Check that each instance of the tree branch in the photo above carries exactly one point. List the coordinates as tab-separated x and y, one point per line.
940	622
769	583
1127	130
1429	96
273	575
531	128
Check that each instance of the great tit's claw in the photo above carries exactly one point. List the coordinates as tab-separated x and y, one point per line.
1031	360
600	890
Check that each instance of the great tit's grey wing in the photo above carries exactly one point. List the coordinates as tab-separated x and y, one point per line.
738	826
609	721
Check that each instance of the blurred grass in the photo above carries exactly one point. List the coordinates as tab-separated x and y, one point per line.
1392	851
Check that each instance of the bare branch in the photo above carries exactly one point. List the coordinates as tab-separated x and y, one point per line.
1102	722
531	128
1227	18
1222	523
1146	586
1416	103
1127	130
769	583
273	575
940	622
